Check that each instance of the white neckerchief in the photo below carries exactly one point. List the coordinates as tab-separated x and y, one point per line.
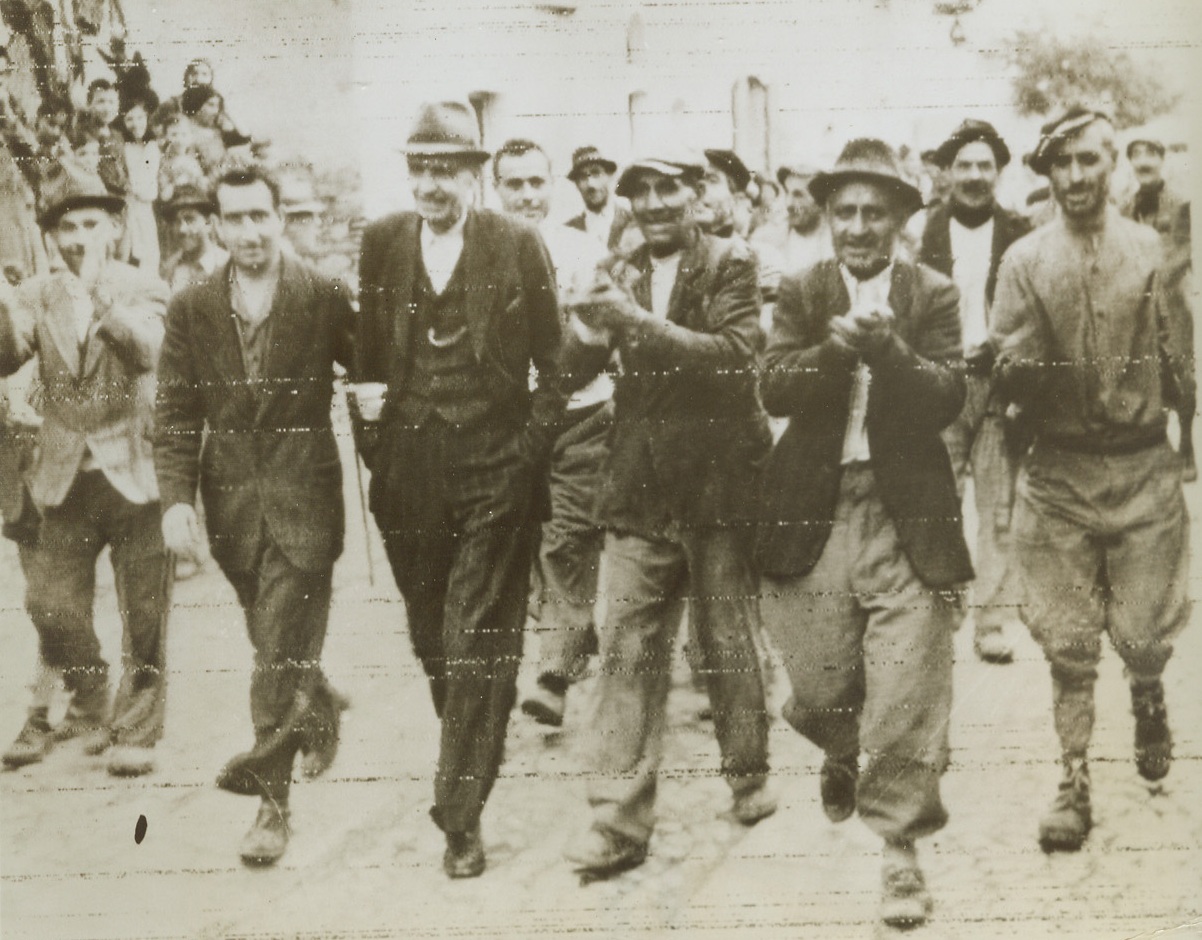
871	292
440	252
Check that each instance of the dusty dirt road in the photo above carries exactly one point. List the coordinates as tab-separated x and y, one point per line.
364	861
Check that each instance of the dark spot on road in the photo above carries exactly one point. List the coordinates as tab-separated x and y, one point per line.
139	830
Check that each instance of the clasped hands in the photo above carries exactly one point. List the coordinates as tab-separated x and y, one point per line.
864	331
602	310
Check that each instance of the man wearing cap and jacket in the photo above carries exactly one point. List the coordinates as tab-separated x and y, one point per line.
965	236
96	327
861	545
457	304
678	504
1167	211
603	218
189	214
1088	349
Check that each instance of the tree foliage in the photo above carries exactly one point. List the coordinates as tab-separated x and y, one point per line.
1053	72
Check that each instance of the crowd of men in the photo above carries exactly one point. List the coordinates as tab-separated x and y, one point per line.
532	397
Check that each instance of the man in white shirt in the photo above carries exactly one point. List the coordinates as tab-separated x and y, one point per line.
457	305
861	545
806	239
965	237
570	551
603	218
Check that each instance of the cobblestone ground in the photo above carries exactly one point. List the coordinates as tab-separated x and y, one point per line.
364	861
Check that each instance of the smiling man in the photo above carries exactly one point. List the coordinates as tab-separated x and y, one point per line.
861	541
602	218
245	386
678	504
1089	350
965	236
96	327
457	305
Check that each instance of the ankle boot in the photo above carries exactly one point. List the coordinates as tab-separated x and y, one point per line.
1064	827
1153	742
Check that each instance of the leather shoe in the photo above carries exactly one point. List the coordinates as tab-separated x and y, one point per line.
601	853
266	840
32	743
837	786
464	857
905	900
322	731
753	805
126	760
545	706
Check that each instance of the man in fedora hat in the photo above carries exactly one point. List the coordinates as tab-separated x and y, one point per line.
189	215
965	236
457	305
96	326
861	545
245	384
1091	353
602	218
805	239
678	503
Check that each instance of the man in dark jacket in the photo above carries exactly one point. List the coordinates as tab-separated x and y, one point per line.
457	304
965	237
245	383
861	541
603	217
678	504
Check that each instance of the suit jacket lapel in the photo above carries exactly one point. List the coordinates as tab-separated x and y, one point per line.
901	299
692	266
293	297
59	319
478	272
227	347
937	241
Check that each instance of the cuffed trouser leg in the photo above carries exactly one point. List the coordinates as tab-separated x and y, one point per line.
868	649
1101	546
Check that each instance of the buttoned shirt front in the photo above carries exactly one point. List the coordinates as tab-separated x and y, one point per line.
872	292
972	255
441	251
663	279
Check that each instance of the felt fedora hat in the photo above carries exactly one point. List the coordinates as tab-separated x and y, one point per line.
189	196
868	160
446	129
70	185
584	157
968	132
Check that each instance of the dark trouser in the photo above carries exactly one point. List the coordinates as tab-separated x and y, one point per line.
647	583
977	439
570	553
454	508
61	591
868	648
1102	544
287	610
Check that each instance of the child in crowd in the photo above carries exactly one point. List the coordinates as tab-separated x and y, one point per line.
142	161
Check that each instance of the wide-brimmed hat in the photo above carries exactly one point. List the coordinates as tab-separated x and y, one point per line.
583	157
804	170
188	196
1053	135
70	185
970	131
729	163
679	165
868	160
446	129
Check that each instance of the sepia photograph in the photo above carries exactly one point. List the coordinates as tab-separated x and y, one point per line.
519	469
